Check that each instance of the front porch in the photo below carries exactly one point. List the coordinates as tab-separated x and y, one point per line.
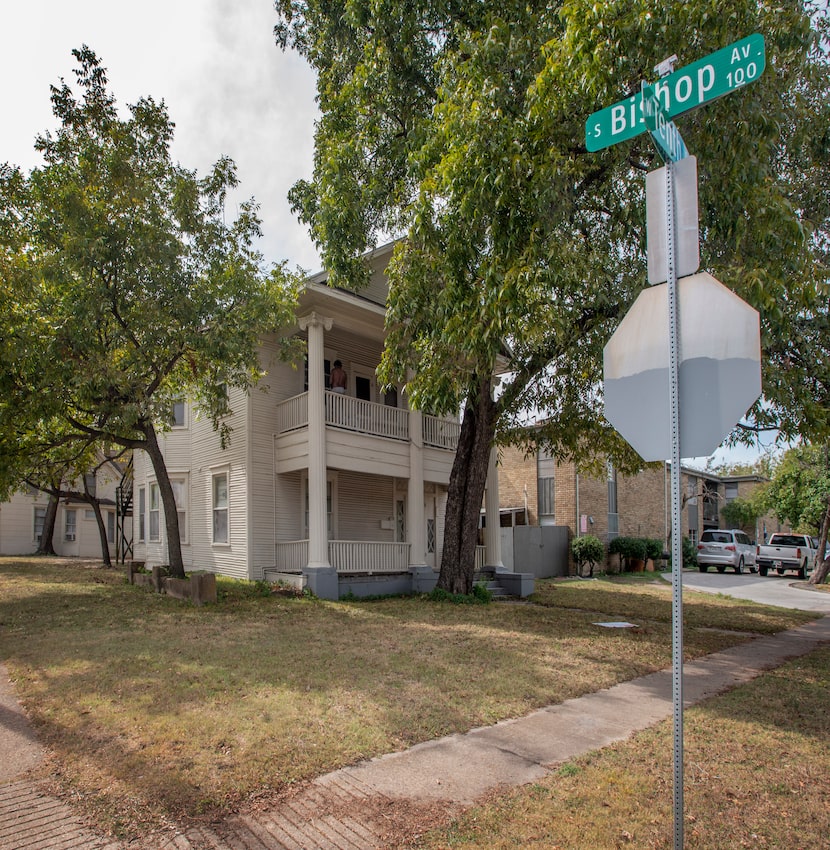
367	568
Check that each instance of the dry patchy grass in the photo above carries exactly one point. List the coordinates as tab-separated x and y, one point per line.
756	775
151	705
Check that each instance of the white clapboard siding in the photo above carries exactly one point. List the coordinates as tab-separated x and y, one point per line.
363	503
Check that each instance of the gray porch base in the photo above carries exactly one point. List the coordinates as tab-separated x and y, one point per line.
327	584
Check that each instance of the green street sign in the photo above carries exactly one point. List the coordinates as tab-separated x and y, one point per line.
701	82
663	130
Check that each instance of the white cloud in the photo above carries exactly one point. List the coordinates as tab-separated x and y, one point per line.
228	88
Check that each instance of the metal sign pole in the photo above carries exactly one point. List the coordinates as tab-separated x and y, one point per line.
676	529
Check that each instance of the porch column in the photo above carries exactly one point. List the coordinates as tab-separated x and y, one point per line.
415	524
318	543
492	529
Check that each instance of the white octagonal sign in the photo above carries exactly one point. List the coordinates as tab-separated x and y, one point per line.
720	368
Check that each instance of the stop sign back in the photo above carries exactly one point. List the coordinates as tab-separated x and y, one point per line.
720	368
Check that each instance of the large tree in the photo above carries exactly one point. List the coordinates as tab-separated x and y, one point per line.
799	493
128	284
461	127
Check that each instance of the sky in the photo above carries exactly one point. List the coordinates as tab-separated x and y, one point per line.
228	88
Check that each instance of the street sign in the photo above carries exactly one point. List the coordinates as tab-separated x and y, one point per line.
663	130
720	368
687	241
701	82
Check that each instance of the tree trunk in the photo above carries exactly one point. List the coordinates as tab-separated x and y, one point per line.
102	530
466	492
47	545
168	501
822	564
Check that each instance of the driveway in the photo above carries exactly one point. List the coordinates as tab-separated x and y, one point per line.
785	591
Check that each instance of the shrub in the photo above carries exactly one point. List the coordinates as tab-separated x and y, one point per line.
689	554
479	596
587	550
654	548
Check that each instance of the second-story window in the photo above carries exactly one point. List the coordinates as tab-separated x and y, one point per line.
177	419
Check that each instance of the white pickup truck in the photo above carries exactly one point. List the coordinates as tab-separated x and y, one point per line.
784	552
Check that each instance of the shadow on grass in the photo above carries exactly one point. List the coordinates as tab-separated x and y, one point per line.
193	709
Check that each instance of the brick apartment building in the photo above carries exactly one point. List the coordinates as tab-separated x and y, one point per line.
536	490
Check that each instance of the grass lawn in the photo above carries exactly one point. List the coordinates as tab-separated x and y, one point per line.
757	774
154	708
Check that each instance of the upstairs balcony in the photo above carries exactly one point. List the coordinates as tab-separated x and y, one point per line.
367	417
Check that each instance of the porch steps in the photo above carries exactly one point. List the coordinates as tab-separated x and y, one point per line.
496	591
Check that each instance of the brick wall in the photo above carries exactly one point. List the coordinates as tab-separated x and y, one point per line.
642	501
517	472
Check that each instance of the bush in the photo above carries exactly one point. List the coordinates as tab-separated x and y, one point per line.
479	596
654	549
587	550
689	554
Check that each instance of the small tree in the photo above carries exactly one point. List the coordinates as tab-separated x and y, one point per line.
587	550
126	284
741	513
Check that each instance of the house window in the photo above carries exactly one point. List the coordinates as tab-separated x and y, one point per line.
177	418
70	525
547	492
154	512
40	520
110	527
220	507
142	510
326	374
431	535
730	492
329	510
400	521
89	515
363	388
613	511
179	486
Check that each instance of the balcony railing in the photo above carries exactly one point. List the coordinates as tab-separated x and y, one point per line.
366	417
347	556
441	433
354	414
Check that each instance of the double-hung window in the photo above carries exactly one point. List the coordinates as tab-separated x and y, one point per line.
142	514
154	513
40	520
221	505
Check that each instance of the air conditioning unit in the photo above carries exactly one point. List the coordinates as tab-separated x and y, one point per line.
69	536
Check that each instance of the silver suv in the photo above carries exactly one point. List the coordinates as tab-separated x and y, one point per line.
726	548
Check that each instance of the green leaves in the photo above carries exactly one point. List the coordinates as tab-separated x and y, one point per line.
462	128
124	286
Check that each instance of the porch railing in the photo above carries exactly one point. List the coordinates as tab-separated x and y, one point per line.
354	556
347	556
367	417
292	413
342	411
292	555
441	433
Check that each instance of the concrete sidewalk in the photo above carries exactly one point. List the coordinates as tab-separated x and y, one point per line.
356	808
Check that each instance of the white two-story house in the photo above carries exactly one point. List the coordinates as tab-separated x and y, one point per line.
76	533
337	492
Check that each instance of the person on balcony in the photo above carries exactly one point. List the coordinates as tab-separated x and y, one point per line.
337	379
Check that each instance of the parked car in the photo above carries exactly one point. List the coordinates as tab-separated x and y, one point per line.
726	548
784	552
